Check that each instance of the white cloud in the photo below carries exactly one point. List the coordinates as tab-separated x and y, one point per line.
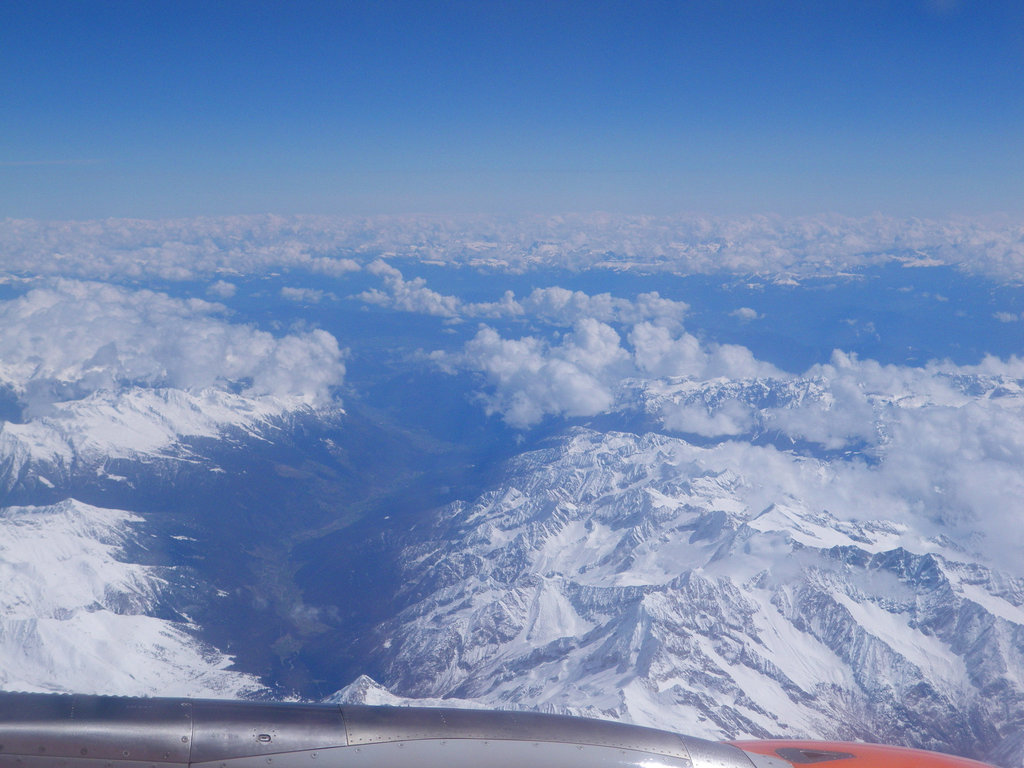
554	305
745	313
302	295
1008	317
332	267
566	307
222	289
955	468
506	306
583	373
941	446
185	249
727	419
531	379
73	338
407	295
658	352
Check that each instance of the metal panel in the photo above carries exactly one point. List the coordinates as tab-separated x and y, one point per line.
766	761
95	727
810	755
54	761
227	729
55	731
714	754
464	753
374	725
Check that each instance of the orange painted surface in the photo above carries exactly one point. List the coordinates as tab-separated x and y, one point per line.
864	755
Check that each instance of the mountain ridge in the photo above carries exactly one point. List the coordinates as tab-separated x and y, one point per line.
674	604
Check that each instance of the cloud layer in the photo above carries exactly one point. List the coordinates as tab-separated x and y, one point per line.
217	248
553	305
72	338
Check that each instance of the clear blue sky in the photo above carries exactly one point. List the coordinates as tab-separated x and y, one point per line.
152	108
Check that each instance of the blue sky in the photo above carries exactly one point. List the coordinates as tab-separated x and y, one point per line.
157	109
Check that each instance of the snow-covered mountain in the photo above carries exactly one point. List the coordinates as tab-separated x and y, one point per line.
75	615
141	425
116	396
646	578
92	373
654	523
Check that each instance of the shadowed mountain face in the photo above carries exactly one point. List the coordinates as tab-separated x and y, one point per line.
534	474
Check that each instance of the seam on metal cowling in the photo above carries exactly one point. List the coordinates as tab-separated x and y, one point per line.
191	715
683	749
344	722
631	745
709	754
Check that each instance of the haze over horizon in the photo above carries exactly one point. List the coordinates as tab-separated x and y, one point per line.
155	110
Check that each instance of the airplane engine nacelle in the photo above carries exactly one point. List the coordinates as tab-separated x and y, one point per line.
78	731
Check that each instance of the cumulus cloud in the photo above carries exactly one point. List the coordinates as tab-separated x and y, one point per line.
222	289
185	249
745	313
332	267
582	373
531	379
730	418
72	338
659	352
940	445
554	305
407	295
956	466
302	295
507	306
568	307
939	441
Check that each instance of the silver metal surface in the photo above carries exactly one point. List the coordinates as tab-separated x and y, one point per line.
374	725
35	761
765	761
714	754
464	753
226	729
54	727
55	731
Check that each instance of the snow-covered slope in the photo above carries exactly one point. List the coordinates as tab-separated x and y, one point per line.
74	615
81	436
365	690
646	578
91	372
